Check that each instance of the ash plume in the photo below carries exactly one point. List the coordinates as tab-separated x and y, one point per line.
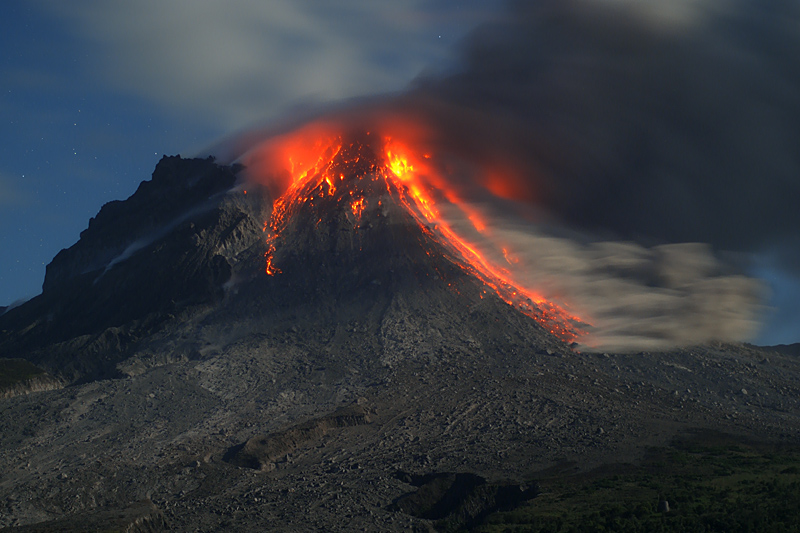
661	124
638	121
639	130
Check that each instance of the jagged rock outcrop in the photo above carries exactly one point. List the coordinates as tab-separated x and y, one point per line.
458	501
143	261
18	376
177	188
261	452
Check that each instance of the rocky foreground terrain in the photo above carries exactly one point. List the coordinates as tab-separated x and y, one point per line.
383	390
480	408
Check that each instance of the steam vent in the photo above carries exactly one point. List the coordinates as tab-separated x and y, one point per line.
318	340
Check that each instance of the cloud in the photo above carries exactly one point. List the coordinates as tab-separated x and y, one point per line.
639	298
632	297
237	62
647	122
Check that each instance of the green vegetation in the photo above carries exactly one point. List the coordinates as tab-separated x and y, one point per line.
14	371
711	486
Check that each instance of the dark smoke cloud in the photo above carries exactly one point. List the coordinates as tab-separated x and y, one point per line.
659	123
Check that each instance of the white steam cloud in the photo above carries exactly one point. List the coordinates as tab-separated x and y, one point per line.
237	62
633	297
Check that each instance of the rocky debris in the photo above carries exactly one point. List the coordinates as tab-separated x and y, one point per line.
490	408
458	501
261	452
18	376
139	517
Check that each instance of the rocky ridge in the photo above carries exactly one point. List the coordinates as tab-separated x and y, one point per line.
166	249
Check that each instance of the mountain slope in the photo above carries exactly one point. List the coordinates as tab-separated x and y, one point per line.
370	364
186	252
167	248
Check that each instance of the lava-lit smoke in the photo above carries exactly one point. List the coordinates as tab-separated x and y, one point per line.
317	160
583	145
604	295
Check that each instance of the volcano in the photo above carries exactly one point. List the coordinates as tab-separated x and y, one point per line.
349	229
321	350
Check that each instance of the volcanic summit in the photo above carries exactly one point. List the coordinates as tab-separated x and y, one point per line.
323	351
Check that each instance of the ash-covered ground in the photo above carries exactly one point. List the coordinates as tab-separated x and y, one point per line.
491	406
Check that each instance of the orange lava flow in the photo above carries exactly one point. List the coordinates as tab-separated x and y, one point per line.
317	168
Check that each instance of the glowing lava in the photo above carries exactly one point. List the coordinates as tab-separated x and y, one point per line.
318	161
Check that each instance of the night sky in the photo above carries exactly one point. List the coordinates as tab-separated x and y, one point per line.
94	92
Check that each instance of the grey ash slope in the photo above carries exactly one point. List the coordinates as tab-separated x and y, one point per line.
369	315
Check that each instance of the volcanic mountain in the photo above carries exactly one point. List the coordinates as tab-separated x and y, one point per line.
224	354
190	243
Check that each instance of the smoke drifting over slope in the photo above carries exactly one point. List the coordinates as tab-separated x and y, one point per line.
634	297
638	127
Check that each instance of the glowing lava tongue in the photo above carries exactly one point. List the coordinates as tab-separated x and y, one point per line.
318	176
